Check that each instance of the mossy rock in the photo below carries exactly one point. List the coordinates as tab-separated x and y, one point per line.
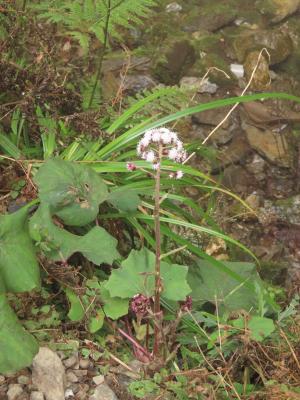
176	59
278	44
211	16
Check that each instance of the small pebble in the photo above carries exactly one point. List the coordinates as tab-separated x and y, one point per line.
14	390
23	379
69	393
173	7
99	379
80	372
71	377
237	70
81	395
36	396
71	361
103	392
84	363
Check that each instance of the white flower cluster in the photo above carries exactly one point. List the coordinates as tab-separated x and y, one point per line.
172	147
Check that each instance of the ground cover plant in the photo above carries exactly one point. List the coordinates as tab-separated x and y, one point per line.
105	238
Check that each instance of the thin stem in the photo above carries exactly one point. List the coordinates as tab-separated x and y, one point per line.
158	288
24	5
134	343
102	53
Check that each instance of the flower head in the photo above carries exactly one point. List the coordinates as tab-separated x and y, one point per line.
169	144
140	304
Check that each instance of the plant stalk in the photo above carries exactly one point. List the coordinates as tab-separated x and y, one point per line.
158	288
102	53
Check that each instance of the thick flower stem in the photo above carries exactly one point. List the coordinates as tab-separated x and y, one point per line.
158	288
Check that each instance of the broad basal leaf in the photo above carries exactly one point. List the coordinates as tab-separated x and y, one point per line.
58	244
96	322
73	191
136	275
76	311
99	246
259	327
114	307
18	265
17	347
124	200
210	284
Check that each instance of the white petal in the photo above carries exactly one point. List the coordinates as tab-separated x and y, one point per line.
155	135
145	141
173	153
150	156
179	174
148	134
179	144
166	138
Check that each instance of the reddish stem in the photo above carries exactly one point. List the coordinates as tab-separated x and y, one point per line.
157	312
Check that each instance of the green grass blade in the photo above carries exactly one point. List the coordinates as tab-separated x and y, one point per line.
138	106
135	132
9	147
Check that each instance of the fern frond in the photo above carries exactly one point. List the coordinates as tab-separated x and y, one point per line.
86	91
88	16
158	101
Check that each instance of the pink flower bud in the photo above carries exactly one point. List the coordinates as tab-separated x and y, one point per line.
187	304
131	166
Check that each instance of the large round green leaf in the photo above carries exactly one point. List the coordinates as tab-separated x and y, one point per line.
73	191
18	264
136	275
211	284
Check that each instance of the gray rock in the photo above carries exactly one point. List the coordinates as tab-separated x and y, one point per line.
257	167
14	391
36	396
71	361
198	84
173	7
138	82
23	379
71	377
103	392
2	379
210	117
48	374
98	380
272	146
